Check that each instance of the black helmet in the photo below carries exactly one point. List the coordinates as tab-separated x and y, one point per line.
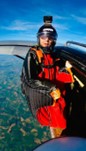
47	29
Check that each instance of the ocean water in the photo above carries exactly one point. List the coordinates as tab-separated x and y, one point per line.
19	131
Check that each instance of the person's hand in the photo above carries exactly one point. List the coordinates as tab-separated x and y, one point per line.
55	94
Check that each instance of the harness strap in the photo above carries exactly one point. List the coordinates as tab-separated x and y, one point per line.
38	53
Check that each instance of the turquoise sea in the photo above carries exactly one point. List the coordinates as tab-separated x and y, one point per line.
19	131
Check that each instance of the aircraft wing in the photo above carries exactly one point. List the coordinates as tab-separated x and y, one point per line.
64	143
17	48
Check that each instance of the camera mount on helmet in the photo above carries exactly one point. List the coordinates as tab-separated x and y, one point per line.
48	19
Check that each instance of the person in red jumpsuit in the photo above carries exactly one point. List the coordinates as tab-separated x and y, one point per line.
43	80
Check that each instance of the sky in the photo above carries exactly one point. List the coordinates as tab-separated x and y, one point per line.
21	19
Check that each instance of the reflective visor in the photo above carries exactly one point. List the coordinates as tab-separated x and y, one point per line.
45	35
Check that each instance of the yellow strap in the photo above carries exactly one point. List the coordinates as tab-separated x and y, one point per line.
39	54
55	132
70	71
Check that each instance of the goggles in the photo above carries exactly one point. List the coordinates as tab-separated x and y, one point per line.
45	35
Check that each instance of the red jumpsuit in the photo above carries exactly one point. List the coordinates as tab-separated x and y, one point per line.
47	115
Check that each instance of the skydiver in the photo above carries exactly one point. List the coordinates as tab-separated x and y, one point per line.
43	80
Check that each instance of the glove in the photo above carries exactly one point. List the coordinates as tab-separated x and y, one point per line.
55	94
68	65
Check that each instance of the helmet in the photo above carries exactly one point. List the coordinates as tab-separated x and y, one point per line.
47	29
